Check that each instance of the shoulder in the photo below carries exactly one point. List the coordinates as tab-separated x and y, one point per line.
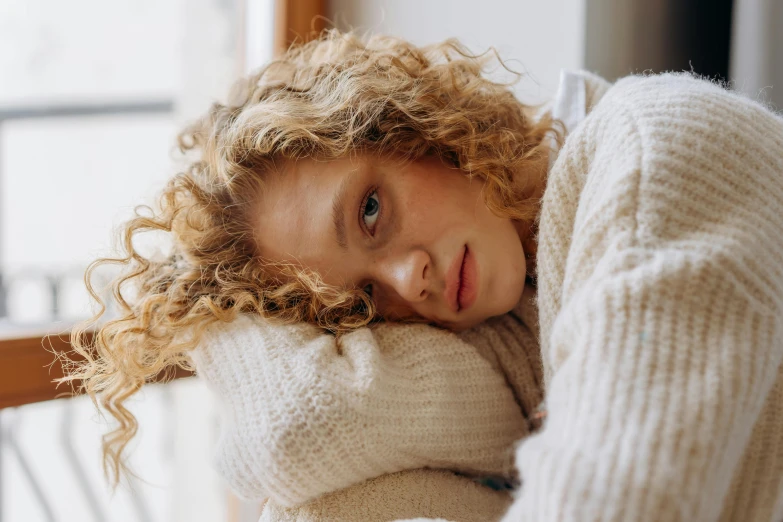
688	166
676	129
682	96
645	85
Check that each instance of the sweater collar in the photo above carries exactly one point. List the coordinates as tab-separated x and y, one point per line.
569	106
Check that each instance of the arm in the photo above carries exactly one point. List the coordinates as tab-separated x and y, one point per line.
431	495
665	339
304	416
667	366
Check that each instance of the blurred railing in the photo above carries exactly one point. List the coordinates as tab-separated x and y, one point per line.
29	362
29	366
28	350
24	375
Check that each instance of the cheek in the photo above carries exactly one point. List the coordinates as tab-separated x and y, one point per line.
436	200
393	310
508	268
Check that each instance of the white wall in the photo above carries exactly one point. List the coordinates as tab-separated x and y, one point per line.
756	57
65	184
536	37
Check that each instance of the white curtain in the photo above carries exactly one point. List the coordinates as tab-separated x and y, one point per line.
756	64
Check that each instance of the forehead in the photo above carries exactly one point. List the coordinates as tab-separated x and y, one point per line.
294	211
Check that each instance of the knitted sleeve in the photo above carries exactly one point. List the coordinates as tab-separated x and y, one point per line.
425	494
304	415
667	335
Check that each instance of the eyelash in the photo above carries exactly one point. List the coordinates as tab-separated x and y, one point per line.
369	288
363	209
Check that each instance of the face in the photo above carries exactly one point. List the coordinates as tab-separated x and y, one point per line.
417	236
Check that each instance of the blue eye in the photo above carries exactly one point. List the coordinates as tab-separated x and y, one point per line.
371	210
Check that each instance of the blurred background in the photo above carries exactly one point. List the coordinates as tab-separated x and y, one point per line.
92	93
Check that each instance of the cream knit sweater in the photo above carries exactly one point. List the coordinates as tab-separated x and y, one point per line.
304	415
660	300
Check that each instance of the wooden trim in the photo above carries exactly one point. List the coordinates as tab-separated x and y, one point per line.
28	366
298	20
28	369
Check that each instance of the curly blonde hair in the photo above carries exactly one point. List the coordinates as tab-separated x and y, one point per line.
333	96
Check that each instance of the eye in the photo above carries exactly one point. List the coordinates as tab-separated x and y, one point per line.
371	209
368	290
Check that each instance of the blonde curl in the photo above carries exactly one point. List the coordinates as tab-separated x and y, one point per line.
337	95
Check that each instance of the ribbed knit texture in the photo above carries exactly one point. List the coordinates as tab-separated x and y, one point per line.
660	300
660	263
413	493
304	416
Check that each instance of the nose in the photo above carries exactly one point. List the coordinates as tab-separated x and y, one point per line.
408	275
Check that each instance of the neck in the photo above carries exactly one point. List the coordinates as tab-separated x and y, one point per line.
528	234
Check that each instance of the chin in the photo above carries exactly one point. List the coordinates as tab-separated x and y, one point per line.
461	327
509	298
468	323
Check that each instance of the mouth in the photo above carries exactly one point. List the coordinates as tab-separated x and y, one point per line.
461	281
466	294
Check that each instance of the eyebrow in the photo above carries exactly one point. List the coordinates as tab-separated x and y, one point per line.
338	212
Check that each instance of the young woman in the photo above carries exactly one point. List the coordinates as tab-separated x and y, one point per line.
635	284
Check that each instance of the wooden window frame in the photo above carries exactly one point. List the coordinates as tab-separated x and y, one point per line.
297	20
28	363
29	367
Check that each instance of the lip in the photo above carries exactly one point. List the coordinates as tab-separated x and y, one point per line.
461	288
468	289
